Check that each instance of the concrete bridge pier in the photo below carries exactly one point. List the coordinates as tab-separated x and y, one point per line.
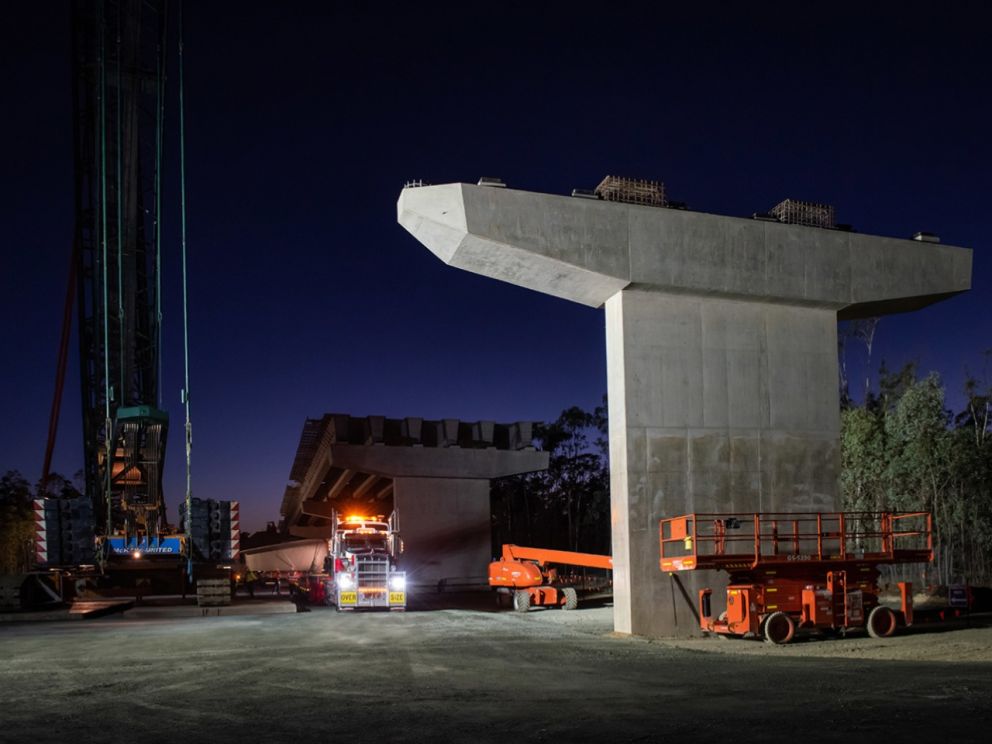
721	342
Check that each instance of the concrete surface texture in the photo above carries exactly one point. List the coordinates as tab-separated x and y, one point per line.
721	349
452	675
435	474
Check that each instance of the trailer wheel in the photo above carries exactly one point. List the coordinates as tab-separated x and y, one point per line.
571	598
779	628
881	622
521	600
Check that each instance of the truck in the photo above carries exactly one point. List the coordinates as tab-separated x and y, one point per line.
362	564
792	573
530	577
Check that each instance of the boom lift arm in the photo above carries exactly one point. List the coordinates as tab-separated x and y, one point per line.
531	576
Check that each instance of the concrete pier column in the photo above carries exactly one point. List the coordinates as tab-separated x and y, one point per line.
715	406
445	527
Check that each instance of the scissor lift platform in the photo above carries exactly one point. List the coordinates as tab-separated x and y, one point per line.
791	571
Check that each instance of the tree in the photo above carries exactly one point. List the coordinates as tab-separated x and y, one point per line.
904	451
862	330
972	479
566	506
17	519
863	460
16	525
919	443
891	387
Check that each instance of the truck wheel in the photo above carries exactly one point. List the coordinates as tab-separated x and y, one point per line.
779	628
571	598
502	599
881	622
521	600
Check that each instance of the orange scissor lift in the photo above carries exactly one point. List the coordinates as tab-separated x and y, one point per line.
792	572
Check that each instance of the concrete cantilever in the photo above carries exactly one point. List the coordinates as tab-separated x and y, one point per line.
721	348
586	251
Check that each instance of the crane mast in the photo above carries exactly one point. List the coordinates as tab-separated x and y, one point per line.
118	64
117	535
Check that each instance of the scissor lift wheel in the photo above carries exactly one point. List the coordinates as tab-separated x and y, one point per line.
779	628
881	622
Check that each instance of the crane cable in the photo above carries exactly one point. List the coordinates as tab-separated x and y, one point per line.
121	396
159	136
185	391
104	273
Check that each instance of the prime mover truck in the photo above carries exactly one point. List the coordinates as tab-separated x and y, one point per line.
362	563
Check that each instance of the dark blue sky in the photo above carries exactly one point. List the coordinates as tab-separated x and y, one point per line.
304	120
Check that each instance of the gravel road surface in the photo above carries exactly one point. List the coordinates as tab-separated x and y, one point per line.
449	674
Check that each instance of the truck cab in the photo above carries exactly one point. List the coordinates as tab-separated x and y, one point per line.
362	561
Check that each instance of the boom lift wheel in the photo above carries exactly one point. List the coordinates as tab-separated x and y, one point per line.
521	600
571	598
779	628
881	622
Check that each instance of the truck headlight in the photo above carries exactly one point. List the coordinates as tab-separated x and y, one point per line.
397	583
346	581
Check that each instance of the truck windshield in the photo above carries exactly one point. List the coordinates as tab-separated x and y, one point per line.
365	543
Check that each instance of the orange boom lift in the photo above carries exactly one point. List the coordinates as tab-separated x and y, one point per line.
791	572
530	576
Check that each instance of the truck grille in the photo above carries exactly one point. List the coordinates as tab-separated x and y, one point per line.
373	572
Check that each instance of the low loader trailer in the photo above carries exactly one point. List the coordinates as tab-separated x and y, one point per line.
791	573
531	578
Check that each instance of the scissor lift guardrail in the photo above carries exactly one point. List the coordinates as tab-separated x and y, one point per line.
735	542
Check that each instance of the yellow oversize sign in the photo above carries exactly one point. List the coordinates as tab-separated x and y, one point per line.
348	598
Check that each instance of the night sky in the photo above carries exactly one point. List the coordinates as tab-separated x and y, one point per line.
304	120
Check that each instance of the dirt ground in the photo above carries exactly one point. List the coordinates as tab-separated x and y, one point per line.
445	673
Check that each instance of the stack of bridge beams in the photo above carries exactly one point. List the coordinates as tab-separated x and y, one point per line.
64	531
214	527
